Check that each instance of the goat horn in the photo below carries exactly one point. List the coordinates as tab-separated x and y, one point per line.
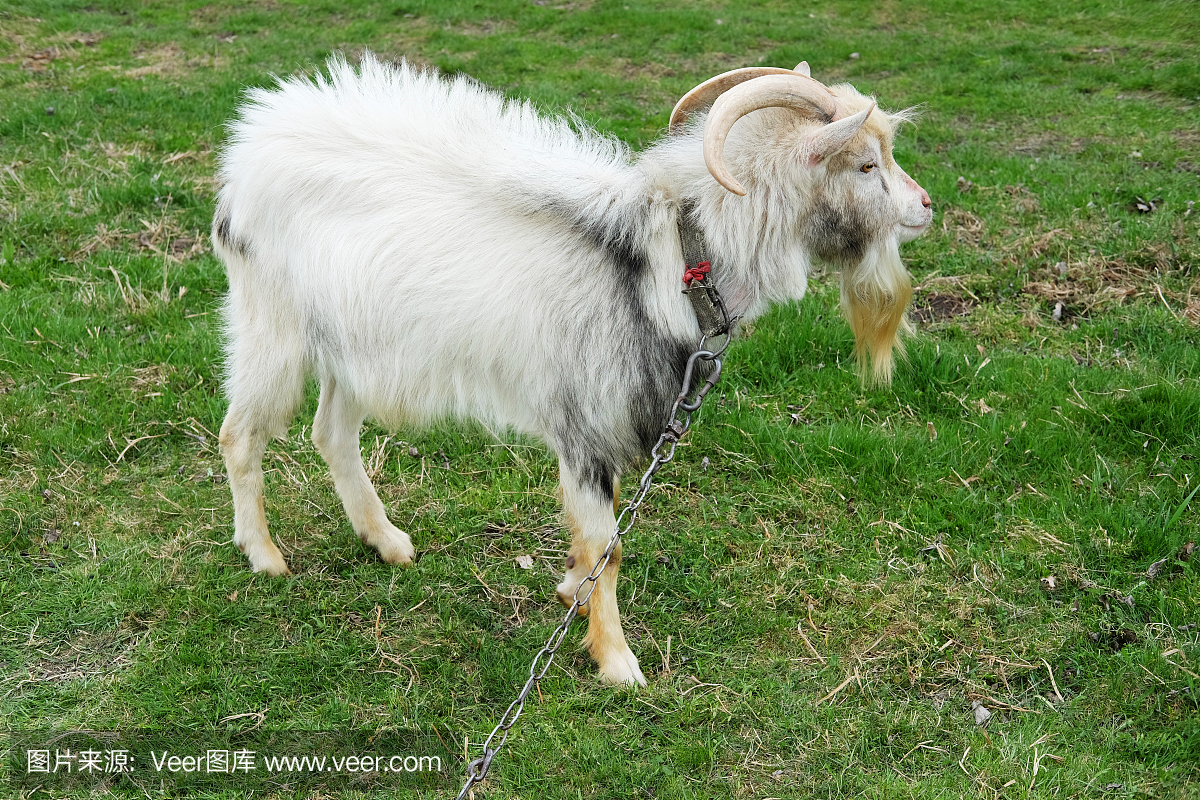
713	88
770	91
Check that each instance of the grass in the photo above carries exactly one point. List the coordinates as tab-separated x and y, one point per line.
826	579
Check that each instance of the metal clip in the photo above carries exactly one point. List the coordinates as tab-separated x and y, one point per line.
709	383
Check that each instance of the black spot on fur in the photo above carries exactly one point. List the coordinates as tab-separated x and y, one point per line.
226	237
838	235
623	255
222	229
591	455
660	373
652	360
319	339
649	360
600	476
886	190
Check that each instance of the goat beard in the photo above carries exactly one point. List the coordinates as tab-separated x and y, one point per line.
875	297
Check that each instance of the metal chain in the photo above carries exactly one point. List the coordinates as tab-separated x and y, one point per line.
679	422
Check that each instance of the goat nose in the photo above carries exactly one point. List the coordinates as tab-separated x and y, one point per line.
925	201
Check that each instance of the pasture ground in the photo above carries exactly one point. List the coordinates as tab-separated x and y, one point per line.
826	579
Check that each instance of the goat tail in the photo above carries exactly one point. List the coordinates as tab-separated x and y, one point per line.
875	297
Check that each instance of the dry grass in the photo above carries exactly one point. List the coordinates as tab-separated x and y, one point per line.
962	226
120	154
87	656
1096	282
162	236
170	60
1191	308
38	54
1049	142
148	381
1037	536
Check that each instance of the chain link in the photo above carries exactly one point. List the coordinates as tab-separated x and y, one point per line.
679	422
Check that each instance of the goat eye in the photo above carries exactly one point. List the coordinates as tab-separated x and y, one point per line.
868	167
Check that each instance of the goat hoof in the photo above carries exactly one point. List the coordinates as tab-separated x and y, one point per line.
622	668
268	561
395	547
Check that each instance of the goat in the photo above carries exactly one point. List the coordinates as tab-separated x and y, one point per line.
427	248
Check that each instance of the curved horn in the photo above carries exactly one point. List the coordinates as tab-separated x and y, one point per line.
771	91
713	88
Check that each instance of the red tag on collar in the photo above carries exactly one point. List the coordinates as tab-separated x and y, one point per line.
696	273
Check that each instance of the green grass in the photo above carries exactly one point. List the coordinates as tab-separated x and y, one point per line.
900	539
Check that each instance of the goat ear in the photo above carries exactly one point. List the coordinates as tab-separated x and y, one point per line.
803	69
833	137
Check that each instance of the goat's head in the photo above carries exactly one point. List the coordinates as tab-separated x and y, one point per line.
831	149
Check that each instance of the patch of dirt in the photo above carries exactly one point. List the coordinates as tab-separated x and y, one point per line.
1191	311
167	58
937	307
88	39
1035	245
201	155
398	49
1171	566
940	298
41	60
120	152
1115	639
715	63
889	15
102	239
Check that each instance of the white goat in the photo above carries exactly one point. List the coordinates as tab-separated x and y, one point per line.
427	248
